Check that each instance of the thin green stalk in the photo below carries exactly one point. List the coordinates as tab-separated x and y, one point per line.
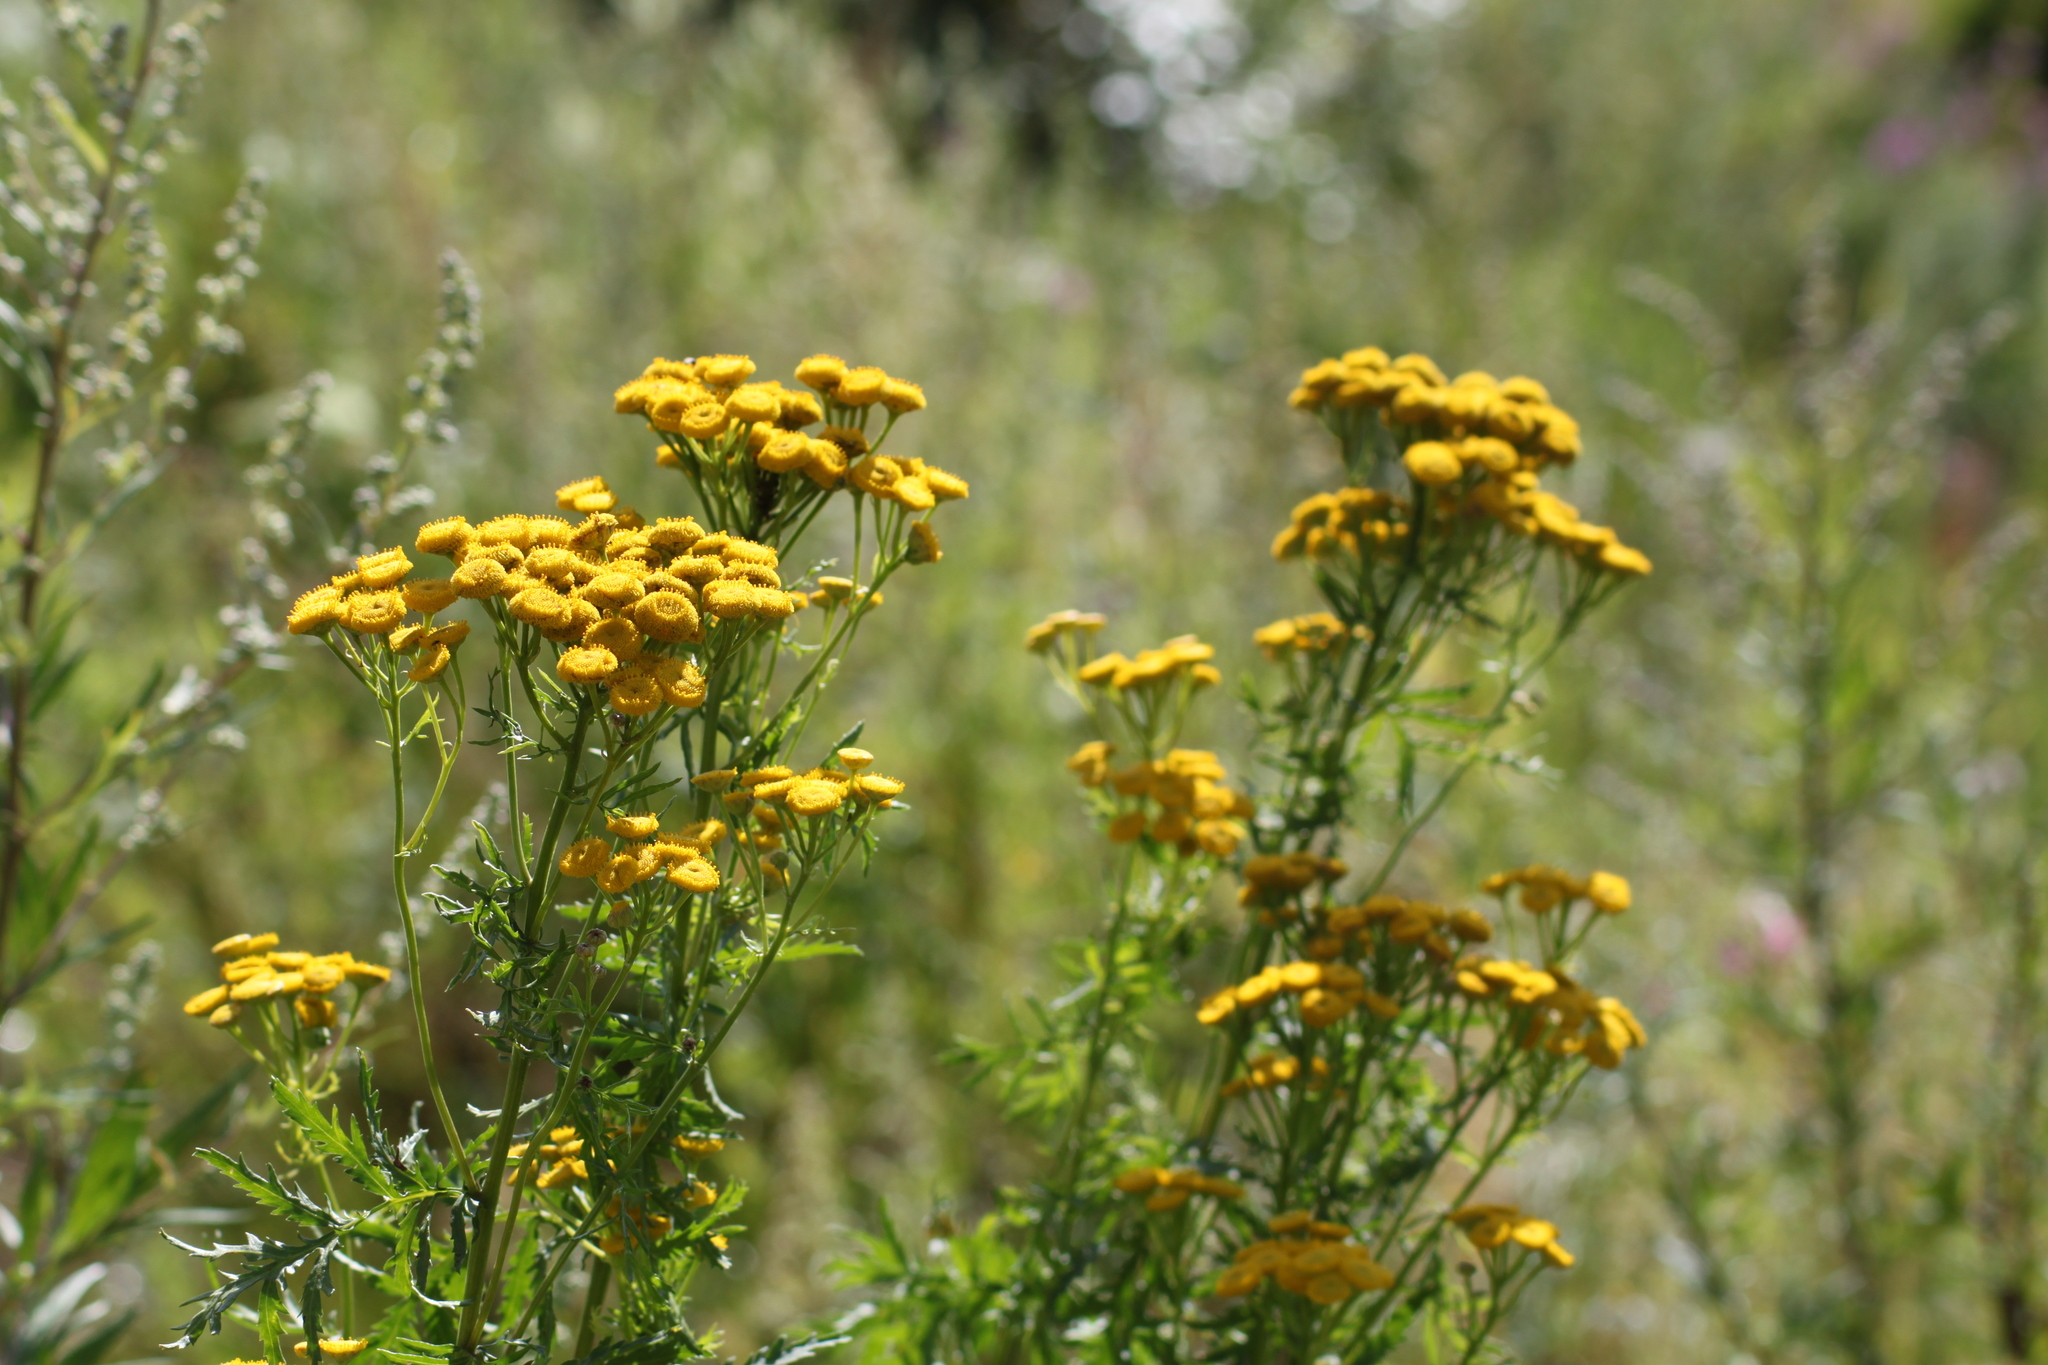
403	900
473	1305
565	1084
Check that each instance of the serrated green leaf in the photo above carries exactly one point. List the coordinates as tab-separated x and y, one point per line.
270	1192
348	1148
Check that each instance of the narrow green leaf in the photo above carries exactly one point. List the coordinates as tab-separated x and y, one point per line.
89	149
119	1169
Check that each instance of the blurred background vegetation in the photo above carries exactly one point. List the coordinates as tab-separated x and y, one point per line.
1783	259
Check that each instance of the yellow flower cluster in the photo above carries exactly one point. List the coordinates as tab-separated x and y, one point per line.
714	412
1271	879
1183	657
1169	1187
1478	442
651	1226
1195	810
1329	991
1308	1257
1312	634
563	1151
1544	888
340	1347
373	599
819	791
1276	1068
1062	625
646	851
1423	924
766	797
618	592
694	1146
1565	1018
1351	521
1412	396
561	1164
254	970
1492	1226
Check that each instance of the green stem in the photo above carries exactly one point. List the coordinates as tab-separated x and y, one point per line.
473	1297
416	984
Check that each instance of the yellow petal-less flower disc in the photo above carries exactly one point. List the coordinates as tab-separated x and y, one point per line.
827	464
1609	892
875	787
753	403
384	569
1432	462
945	487
704	421
586	665
874	475
621	872
445	537
913	492
731	599
699	1146
860	386
668	616
429	595
539	607
785	452
618	635
821	372
900	396
1624	559
810	798
207	1001
433	662
373	613
681	683
1471	926
241	945
585	857
314	611
799	410
924	542
479	578
635	693
726	371
696	877
614	590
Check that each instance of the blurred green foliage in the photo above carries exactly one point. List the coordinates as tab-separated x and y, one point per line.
1104	238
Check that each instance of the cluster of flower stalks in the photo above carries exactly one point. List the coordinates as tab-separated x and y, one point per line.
1269	1128
671	831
